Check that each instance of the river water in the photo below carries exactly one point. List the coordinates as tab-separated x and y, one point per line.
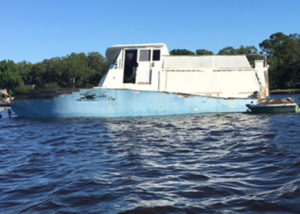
210	163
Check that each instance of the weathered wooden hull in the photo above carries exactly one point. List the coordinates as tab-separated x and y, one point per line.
99	102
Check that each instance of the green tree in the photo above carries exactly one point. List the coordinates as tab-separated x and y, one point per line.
181	52
227	51
24	68
203	52
74	70
283	52
10	78
241	50
98	65
54	70
37	73
250	51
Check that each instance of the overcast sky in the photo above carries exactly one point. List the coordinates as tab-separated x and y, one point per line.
34	30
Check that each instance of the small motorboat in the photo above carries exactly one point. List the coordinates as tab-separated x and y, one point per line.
274	106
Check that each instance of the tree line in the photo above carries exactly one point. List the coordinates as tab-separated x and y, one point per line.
85	70
77	70
251	51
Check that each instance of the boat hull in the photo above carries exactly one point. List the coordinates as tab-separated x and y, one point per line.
99	102
273	109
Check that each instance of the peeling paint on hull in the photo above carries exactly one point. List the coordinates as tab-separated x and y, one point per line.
106	103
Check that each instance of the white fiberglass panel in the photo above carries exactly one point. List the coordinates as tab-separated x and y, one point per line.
239	84
200	62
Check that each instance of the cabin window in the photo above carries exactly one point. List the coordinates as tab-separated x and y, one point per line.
156	55
144	55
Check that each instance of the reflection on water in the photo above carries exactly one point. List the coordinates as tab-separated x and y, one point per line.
224	163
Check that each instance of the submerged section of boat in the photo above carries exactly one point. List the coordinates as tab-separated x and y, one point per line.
144	80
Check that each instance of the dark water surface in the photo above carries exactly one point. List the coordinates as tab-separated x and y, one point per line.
213	163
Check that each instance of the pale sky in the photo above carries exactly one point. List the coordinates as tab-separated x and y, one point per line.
34	30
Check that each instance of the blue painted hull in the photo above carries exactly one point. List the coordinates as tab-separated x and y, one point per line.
124	103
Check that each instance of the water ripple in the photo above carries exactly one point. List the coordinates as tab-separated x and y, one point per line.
215	163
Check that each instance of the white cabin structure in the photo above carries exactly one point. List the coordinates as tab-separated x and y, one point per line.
149	67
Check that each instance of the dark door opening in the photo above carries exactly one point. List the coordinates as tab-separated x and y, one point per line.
130	66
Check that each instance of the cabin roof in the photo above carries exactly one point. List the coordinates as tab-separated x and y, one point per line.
239	62
186	62
113	52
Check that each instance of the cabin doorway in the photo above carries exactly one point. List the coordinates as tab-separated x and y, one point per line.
130	66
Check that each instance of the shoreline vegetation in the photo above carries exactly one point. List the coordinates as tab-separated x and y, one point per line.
80	70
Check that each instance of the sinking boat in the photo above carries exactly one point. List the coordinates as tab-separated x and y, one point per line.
144	80
274	106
